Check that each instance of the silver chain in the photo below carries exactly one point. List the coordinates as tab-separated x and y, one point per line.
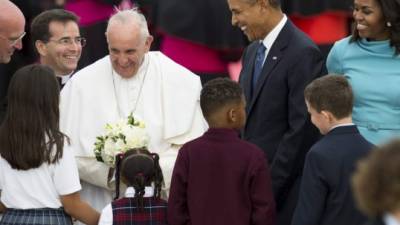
139	94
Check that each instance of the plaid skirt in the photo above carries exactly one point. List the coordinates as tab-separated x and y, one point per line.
44	216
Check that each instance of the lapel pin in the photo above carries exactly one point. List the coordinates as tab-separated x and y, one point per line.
274	57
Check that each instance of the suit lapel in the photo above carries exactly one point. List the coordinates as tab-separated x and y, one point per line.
274	56
246	76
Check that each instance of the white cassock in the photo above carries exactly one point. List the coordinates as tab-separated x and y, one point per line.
164	94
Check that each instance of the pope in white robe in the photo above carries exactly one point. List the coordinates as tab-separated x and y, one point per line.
164	94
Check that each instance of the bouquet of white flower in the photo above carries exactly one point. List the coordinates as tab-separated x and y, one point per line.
120	137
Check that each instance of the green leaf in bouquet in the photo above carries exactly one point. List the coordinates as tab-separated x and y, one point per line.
131	120
114	138
99	146
122	137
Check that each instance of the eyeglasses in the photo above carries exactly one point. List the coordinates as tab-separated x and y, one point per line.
69	41
14	41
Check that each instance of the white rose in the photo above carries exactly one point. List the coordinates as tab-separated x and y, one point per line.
108	152
119	146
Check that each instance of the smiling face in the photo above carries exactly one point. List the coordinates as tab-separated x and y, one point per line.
60	56
249	17
10	43
369	19
127	47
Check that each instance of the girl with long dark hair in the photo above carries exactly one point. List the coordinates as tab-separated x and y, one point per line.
39	178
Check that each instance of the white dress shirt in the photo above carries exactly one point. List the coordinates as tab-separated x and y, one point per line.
273	35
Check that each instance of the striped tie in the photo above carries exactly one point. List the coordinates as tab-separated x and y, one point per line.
258	63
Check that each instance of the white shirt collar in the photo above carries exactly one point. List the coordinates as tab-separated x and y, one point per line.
273	34
148	192
341	125
65	78
389	219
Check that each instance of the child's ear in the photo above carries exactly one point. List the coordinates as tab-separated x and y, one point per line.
328	115
232	117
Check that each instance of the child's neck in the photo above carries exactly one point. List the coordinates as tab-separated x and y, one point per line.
343	121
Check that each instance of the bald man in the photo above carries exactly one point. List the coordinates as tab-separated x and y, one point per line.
12	25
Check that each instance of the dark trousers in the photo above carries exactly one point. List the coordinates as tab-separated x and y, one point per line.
285	213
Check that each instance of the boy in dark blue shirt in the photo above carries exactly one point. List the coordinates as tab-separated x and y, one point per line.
325	194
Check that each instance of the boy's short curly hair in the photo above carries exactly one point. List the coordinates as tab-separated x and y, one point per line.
217	93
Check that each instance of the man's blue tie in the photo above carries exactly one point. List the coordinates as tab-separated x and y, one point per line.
258	63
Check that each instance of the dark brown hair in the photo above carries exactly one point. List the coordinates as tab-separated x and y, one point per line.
332	93
376	182
40	27
138	169
390	11
30	135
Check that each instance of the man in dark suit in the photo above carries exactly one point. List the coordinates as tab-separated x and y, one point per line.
325	192
55	34
277	66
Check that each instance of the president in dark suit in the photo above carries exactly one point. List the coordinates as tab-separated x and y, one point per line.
325	192
277	66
